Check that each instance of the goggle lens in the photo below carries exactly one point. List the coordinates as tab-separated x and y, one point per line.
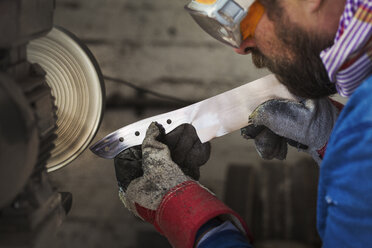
249	23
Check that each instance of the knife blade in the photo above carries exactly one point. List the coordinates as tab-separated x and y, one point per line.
212	117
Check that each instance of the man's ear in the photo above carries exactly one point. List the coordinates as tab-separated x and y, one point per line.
313	5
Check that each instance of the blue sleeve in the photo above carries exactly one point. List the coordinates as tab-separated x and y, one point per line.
221	235
345	183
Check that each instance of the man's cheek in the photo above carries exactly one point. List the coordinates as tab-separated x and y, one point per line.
266	40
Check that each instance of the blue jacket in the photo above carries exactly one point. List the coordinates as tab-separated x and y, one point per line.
345	184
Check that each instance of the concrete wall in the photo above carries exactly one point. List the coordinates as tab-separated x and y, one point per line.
155	44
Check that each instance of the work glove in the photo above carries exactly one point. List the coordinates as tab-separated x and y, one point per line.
185	148
306	125
166	194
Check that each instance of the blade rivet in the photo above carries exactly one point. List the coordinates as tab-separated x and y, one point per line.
121	139
137	133
169	121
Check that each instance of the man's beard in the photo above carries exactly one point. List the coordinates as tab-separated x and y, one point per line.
304	73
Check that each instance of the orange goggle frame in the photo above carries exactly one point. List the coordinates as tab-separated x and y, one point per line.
249	23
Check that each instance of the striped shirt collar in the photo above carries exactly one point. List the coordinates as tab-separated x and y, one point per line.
349	60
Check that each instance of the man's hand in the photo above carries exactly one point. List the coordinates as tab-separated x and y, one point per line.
306	125
145	175
158	184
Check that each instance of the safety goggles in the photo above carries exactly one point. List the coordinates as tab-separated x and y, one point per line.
229	21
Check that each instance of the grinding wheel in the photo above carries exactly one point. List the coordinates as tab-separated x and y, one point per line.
77	85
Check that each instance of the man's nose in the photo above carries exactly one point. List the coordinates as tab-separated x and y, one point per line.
246	46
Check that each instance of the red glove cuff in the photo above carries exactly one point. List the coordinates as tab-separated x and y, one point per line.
322	151
339	106
185	208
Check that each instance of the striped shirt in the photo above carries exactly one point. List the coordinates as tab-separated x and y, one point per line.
349	60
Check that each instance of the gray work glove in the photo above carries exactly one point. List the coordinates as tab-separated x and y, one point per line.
161	192
145	174
306	125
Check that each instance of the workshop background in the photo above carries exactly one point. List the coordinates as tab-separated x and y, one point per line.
156	45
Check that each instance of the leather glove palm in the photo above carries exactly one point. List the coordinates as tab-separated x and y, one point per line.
306	125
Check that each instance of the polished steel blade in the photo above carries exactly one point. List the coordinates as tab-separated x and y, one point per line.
213	117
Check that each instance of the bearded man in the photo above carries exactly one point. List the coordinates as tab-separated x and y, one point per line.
315	48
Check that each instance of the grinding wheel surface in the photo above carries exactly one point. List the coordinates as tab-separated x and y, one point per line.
77	85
